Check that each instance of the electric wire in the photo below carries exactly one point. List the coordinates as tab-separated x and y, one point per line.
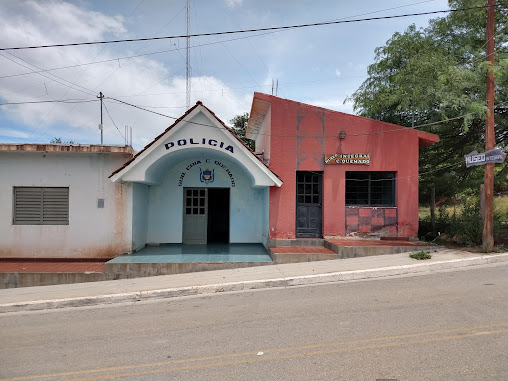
107	111
275	28
294	136
192	47
116	69
50	101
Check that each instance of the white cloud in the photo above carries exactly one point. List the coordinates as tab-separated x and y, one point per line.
134	81
13	133
233	3
338	73
336	104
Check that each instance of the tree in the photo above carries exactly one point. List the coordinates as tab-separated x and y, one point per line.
239	127
56	140
436	78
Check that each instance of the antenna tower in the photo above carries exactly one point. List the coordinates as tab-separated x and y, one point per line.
187	60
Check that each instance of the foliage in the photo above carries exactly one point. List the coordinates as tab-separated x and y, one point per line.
464	225
437	77
239	127
56	140
421	255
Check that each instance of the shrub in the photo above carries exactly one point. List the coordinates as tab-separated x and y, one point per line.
466	226
421	255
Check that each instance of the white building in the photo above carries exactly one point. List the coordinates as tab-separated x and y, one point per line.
195	183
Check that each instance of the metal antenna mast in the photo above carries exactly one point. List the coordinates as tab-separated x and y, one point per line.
187	60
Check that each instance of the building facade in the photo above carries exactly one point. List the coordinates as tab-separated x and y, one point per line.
57	201
343	174
316	173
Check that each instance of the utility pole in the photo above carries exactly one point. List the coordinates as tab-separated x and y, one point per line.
187	60
100	125
490	141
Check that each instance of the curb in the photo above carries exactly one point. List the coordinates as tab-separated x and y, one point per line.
252	285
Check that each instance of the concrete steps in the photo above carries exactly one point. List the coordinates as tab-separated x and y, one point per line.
308	250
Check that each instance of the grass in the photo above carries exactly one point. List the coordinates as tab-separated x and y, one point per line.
421	255
500	204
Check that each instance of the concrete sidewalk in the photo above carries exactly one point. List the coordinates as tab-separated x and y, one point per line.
284	275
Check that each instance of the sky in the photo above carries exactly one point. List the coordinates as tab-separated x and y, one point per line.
320	65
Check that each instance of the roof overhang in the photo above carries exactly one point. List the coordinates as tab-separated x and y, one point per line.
196	131
426	139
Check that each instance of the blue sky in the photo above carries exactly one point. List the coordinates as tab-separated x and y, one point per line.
318	65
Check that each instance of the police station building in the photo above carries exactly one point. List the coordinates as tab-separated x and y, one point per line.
315	173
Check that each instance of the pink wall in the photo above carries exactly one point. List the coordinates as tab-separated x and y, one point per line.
309	132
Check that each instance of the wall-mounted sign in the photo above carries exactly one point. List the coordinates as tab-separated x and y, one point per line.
208	175
348	158
492	156
203	141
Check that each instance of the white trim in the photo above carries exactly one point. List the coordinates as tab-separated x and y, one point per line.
251	161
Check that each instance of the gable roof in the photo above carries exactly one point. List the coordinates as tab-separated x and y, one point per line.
136	157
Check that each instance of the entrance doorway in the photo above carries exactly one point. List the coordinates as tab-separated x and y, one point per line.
218	215
205	215
309	214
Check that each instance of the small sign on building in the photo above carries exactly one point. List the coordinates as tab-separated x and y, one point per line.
348	158
493	156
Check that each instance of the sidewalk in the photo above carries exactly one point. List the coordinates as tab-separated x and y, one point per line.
283	275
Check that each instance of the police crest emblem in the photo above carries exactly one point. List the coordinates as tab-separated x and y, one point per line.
206	176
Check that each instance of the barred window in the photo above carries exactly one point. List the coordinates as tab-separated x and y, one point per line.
370	188
41	206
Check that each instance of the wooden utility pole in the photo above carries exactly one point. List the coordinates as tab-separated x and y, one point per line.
100	125
490	141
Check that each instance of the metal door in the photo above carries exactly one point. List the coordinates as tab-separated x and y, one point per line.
309	215
195	210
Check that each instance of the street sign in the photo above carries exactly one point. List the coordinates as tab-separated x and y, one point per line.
493	156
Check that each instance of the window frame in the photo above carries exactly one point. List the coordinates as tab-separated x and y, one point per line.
369	190
53	206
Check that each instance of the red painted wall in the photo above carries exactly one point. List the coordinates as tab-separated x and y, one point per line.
300	137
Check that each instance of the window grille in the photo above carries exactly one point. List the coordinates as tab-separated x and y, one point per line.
370	188
195	201
41	206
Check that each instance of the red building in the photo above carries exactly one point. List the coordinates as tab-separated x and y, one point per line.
342	174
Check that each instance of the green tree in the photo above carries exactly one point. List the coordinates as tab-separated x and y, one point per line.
56	140
436	77
239	127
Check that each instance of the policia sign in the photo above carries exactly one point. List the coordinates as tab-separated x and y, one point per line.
493	156
348	158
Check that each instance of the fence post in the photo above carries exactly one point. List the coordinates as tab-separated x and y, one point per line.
432	210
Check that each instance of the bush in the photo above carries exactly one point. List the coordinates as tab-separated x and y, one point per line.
464	227
421	255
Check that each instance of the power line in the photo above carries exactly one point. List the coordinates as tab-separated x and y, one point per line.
77	87
294	136
249	30
134	56
107	111
50	101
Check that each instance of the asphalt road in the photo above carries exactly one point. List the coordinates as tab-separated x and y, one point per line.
441	326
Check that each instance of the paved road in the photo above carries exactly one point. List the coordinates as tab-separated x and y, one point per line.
441	326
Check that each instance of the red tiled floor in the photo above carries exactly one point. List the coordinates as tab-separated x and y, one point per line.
301	249
368	242
51	267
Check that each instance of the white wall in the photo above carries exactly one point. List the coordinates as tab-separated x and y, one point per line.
139	215
92	232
